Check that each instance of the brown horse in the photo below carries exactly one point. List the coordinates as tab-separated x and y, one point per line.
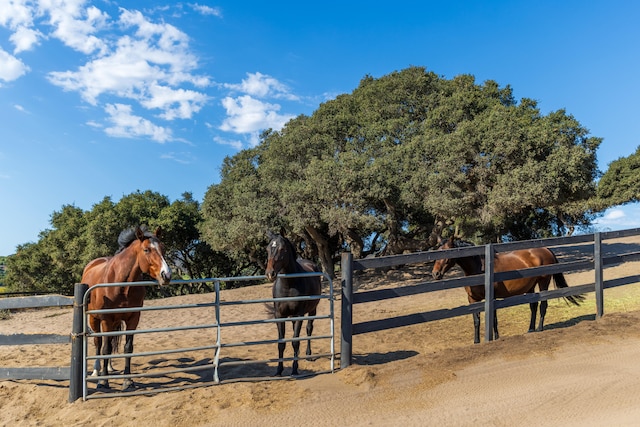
505	261
282	259
141	252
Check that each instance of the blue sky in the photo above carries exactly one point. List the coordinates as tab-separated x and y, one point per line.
104	98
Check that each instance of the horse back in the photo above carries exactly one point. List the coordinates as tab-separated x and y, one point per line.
94	271
524	258
101	270
517	260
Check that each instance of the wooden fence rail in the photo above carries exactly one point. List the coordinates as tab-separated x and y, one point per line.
590	244
59	373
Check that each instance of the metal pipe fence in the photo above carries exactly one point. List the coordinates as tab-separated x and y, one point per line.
217	345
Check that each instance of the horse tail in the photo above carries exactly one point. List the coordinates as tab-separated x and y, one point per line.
115	340
561	282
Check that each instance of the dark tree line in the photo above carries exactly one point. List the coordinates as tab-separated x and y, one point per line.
55	262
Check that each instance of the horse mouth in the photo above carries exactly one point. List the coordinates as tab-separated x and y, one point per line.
436	275
164	278
271	275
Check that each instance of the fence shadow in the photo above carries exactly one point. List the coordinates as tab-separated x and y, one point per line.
570	322
382	358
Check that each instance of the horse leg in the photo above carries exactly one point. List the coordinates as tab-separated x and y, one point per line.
94	324
132	324
128	349
534	310
543	312
297	326
281	346
476	326
496	335
310	331
106	350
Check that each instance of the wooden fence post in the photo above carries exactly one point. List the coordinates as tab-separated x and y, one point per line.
597	266
346	318
75	377
489	303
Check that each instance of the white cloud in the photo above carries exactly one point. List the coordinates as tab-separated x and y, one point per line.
176	103
14	14
75	26
94	124
619	218
206	10
25	39
614	214
146	65
128	125
230	142
20	108
184	158
11	68
250	115
262	86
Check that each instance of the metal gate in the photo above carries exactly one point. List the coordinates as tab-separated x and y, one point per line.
215	345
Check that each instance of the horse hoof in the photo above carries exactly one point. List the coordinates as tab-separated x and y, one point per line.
128	385
102	386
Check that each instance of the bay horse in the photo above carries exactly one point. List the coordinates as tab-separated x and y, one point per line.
141	252
505	261
282	259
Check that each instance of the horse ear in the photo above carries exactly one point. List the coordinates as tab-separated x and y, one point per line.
270	235
139	233
158	232
283	232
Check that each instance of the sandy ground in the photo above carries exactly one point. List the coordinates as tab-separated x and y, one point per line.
580	371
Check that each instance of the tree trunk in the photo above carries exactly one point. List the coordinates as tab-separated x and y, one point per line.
324	251
355	242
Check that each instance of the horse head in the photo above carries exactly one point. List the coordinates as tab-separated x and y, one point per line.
279	254
151	256
441	266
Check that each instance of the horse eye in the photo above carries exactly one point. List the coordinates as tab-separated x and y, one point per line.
146	250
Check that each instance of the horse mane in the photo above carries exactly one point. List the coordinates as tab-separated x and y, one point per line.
292	247
128	236
459	243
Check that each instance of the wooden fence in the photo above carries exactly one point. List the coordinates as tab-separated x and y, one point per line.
40	373
595	259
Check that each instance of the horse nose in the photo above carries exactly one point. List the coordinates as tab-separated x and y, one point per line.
166	276
271	275
436	275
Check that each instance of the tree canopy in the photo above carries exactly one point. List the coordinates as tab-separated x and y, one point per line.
620	184
384	168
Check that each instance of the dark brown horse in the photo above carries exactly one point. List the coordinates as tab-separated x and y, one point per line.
141	252
282	259
506	261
